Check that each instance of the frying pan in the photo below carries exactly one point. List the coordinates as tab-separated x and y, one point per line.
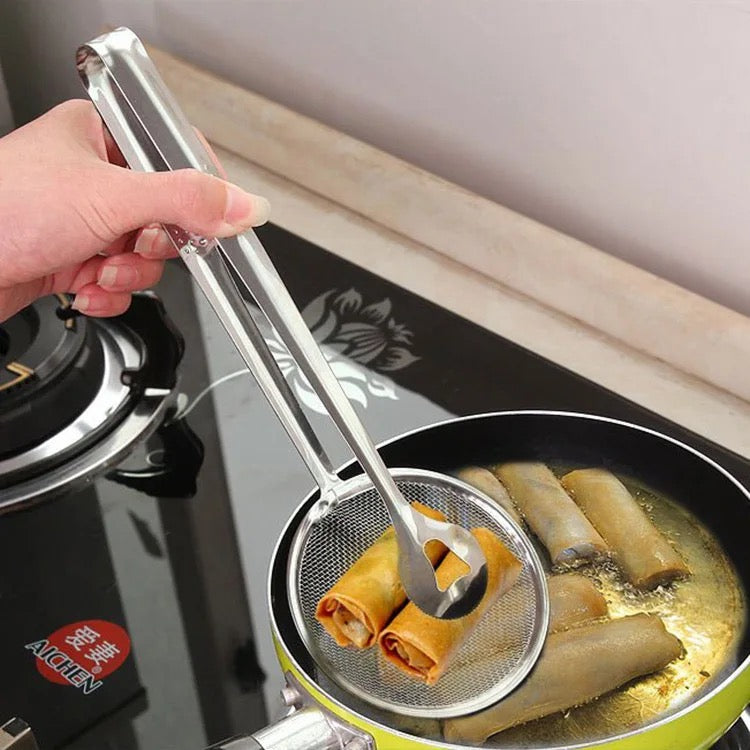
322	716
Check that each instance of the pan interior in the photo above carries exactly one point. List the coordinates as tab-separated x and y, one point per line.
686	487
498	653
707	612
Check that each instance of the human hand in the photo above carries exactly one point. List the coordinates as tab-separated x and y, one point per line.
73	219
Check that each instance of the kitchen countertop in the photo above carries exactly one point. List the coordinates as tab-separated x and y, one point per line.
655	384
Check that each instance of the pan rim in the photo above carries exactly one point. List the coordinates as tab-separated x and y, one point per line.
681	713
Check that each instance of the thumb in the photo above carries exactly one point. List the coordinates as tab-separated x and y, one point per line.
197	202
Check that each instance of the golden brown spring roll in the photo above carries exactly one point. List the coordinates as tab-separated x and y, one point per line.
573	600
566	533
647	559
485	481
575	667
423	646
363	600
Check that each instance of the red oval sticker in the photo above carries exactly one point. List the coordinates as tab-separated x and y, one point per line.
93	647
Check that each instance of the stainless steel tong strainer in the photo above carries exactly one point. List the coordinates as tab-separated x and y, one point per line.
153	135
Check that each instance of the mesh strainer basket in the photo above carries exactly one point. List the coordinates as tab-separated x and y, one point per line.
498	653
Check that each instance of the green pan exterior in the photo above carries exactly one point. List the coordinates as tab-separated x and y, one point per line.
696	727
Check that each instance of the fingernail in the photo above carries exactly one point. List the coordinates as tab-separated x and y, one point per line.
117	276
245	210
262	210
81	302
145	243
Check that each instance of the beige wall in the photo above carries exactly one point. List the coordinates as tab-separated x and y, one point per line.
624	123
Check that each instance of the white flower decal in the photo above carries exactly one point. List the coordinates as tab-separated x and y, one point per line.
350	335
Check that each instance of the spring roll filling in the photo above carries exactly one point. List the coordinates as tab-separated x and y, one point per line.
410	655
353	624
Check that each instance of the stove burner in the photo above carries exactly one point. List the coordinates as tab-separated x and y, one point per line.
49	372
78	396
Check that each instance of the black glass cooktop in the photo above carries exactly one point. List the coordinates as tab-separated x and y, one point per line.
156	602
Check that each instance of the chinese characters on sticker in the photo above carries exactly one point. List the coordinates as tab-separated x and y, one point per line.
81	654
99	653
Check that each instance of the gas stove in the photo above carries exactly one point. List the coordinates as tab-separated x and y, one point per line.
77	394
134	612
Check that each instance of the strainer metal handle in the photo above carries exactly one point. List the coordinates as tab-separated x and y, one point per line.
154	135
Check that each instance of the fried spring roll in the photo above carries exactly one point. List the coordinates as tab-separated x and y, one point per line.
423	646
573	600
566	533
575	667
363	600
647	559
485	481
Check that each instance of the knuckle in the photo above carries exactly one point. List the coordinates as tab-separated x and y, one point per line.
191	190
100	216
82	123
